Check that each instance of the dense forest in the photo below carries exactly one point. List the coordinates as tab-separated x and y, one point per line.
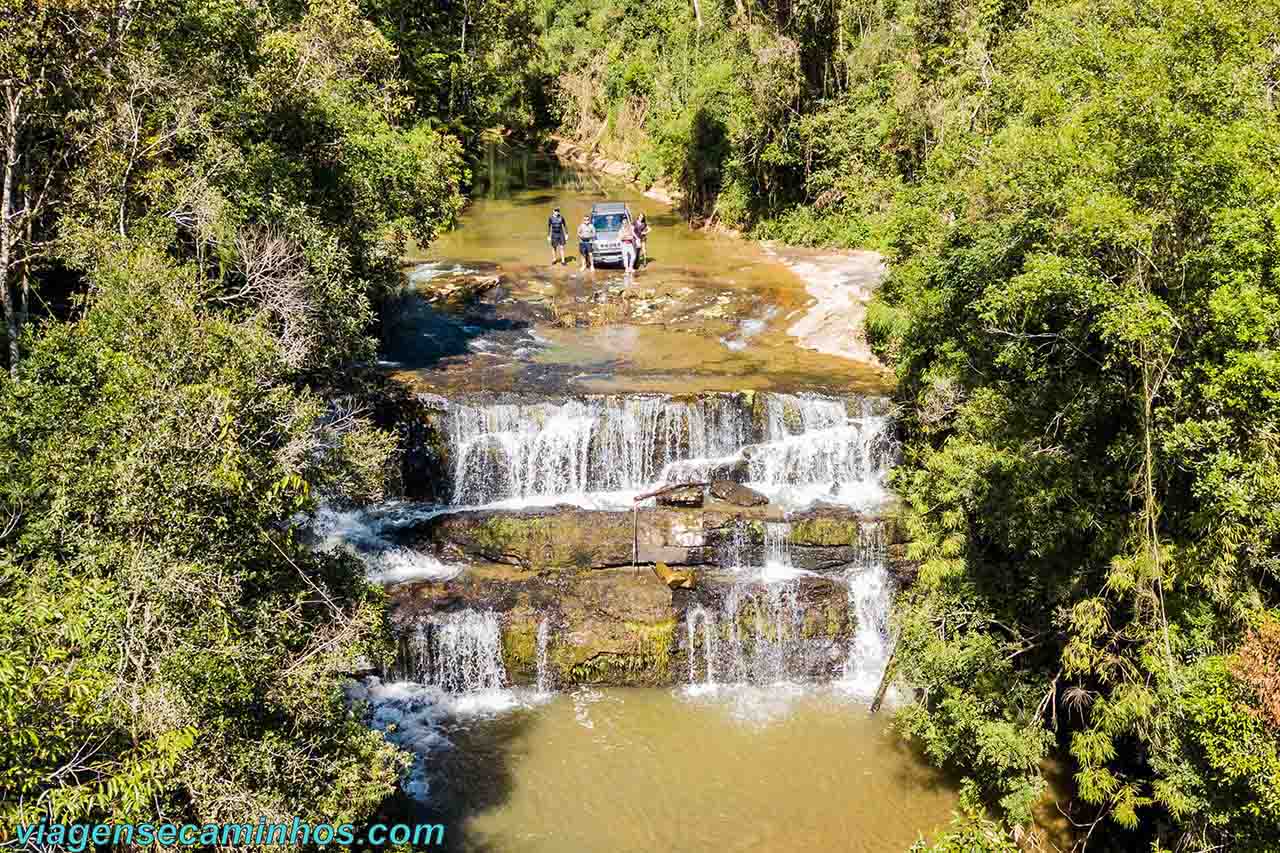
1080	207
204	203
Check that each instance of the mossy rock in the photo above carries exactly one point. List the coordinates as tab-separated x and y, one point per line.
631	654
520	650
548	540
825	531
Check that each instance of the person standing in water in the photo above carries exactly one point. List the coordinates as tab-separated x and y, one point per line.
586	233
627	234
642	239
557	236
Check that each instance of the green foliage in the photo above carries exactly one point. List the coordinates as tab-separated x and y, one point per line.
168	646
971	831
471	68
1080	204
1077	316
228	189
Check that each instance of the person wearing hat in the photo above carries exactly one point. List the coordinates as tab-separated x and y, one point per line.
557	235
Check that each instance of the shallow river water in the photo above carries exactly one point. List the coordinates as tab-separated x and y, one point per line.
776	769
708	313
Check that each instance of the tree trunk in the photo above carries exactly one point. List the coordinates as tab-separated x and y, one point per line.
886	679
12	103
24	291
697	13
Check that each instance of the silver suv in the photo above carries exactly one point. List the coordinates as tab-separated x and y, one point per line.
607	216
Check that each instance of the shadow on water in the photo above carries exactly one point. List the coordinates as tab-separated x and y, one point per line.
914	771
473	776
535	200
419	335
509	175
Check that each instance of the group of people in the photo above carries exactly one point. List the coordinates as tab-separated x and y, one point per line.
632	235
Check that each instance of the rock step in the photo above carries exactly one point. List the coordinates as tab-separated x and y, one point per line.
622	626
567	538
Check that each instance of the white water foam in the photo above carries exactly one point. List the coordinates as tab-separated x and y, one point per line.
367	534
426	272
870	602
417	717
601	452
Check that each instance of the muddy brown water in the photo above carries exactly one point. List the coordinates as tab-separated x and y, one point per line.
625	770
708	313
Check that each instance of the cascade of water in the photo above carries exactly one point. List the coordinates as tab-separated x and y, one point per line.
794	414
805	446
600	444
458	652
695	615
762	633
734	553
870	598
369	535
812	444
544	671
777	546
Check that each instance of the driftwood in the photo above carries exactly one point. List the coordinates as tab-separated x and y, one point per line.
885	680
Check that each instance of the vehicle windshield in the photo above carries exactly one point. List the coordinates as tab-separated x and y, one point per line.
607	221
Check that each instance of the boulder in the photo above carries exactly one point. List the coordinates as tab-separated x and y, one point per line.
674	579
685	496
737	494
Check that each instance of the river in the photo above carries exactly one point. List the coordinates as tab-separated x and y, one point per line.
709	312
693	676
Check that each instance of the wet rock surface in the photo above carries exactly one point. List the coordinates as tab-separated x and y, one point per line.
684	496
626	627
736	494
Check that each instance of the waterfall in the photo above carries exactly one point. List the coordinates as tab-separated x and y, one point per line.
764	631
795	414
870	599
459	652
695	615
795	447
594	445
777	551
544	671
734	552
761	625
815	449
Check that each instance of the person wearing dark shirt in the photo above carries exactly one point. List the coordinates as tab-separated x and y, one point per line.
642	239
557	236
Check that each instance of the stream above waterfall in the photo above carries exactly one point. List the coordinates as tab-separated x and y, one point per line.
709	312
